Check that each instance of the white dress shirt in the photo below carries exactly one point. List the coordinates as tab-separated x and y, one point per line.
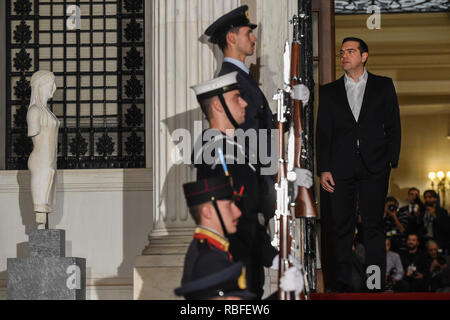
355	92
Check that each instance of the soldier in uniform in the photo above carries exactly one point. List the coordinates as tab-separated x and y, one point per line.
222	105
233	33
209	269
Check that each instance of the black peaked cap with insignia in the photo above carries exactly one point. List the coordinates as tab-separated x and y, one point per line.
205	190
236	18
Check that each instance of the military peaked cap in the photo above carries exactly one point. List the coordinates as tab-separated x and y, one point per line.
236	18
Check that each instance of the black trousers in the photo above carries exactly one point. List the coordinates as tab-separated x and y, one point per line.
370	190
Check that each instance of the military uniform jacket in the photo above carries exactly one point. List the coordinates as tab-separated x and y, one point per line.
258	114
207	253
251	234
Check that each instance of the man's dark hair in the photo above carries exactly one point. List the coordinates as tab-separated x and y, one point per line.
391	199
362	46
414	234
413	189
222	39
431	192
205	105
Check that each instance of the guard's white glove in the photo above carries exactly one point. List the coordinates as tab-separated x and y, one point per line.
301	92
292	280
304	178
275	263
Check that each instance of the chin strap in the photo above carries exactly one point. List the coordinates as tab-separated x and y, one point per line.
225	233
227	111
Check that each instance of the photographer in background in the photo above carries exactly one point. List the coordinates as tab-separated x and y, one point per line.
394	270
414	264
415	211
437	267
395	223
436	221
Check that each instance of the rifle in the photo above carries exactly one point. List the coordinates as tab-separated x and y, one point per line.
291	203
283	215
305	209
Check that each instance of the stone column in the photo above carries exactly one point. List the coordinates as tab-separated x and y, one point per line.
177	58
273	31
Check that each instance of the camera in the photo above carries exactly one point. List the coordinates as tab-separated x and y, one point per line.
392	207
413	268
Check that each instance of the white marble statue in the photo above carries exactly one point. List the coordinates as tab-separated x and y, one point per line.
43	128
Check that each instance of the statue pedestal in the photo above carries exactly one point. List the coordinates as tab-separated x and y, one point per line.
47	274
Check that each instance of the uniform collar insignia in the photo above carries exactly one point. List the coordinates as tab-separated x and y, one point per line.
212	237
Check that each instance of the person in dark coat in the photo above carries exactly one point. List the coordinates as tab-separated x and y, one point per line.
358	142
415	210
414	263
436	221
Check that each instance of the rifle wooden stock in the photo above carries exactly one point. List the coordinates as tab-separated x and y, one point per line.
304	206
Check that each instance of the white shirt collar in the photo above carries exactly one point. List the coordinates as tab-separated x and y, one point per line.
237	63
362	78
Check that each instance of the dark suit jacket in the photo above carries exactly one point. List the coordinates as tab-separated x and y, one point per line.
378	128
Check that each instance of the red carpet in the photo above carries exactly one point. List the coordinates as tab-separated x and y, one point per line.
381	296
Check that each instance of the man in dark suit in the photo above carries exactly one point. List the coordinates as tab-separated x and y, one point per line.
415	210
358	142
436	221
